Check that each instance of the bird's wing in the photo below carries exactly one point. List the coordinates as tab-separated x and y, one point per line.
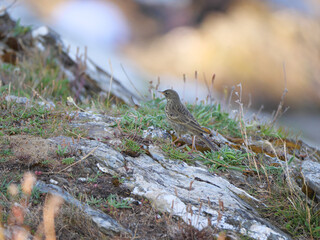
181	115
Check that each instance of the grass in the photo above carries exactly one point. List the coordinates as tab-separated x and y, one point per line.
4	188
62	151
226	158
20	30
95	178
267	131
115	202
68	161
131	145
6	151
298	216
173	152
35	119
211	116
95	201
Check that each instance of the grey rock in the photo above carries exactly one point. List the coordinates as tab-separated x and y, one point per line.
26	101
94	78
20	100
193	194
106	224
311	173
188	192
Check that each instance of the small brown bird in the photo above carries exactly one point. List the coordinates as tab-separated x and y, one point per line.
181	119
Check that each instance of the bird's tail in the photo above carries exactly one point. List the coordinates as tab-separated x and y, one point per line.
208	142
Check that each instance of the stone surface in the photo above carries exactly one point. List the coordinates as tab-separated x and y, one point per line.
92	79
188	192
311	173
106	224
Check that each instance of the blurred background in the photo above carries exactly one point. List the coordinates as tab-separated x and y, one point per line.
266	45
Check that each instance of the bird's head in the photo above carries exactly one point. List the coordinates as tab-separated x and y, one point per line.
171	94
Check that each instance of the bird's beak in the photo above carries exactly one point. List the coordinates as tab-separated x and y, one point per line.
161	92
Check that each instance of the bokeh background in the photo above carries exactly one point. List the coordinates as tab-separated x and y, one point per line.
266	45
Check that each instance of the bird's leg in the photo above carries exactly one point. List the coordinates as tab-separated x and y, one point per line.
177	139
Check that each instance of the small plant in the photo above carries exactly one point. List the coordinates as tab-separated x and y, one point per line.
95	178
175	153
95	201
131	148
45	162
6	152
20	30
226	158
4	189
35	195
62	151
68	160
131	145
115	202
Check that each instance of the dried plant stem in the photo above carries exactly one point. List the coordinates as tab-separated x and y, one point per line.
50	210
244	132
131	82
111	80
1	226
280	106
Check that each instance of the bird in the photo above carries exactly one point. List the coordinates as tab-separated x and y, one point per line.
181	120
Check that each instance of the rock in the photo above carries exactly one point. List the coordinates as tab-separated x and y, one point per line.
92	79
106	224
84	75
311	172
20	100
188	192
25	101
195	195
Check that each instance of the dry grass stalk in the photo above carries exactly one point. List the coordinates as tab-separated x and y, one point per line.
28	183
50	210
111	80
134	87
1	226
15	228
279	111
244	131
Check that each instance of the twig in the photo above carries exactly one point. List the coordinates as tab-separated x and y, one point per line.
196	79
230	97
86	156
184	86
131	81
210	89
279	110
111	79
9	6
212	82
244	131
